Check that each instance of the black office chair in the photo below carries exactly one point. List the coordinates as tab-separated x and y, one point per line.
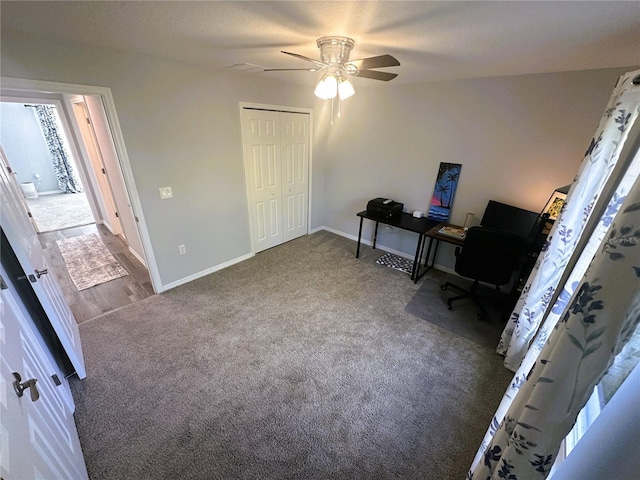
488	255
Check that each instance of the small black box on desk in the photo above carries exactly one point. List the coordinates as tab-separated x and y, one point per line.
384	208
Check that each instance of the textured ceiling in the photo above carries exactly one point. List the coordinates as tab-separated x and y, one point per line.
432	40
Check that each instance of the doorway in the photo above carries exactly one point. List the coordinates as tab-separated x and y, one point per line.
51	183
124	242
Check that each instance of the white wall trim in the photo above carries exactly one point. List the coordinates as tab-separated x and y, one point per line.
242	258
140	259
15	85
206	272
381	247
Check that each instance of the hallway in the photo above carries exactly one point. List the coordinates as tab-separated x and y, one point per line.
95	301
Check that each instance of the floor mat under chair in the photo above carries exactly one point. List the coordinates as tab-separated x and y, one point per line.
430	303
397	263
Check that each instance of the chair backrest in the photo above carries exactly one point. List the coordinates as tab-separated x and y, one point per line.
489	255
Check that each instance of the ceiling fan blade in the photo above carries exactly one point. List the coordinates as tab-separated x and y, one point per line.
375	75
380	61
292	69
302	57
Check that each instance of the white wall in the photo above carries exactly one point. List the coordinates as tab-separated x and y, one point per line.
609	447
518	138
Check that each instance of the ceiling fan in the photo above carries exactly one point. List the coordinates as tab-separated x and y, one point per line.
334	57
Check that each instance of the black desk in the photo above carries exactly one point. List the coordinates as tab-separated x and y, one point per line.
405	221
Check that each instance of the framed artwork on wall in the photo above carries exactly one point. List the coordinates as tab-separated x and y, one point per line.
444	191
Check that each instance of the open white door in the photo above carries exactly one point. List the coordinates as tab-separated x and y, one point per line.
38	437
24	240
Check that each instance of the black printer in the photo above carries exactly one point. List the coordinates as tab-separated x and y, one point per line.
384	208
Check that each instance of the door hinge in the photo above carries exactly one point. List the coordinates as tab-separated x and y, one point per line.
29	215
117	216
103	172
3	286
136	219
9	169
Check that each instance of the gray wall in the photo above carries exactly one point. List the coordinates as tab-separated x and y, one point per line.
23	143
518	138
181	126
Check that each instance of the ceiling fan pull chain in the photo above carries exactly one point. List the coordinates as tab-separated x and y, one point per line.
339	107
332	111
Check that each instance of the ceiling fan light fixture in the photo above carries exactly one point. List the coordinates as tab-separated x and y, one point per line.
335	50
345	89
327	87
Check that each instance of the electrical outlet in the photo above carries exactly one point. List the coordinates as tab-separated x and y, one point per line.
165	192
182	249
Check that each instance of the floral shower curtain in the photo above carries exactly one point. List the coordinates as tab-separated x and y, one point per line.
67	180
528	426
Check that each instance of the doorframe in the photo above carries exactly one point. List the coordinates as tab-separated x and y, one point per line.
112	222
13	87
275	108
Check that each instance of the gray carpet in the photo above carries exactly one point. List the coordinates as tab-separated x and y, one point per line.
58	211
300	363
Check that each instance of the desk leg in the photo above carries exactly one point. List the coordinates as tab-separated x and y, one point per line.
426	260
416	260
359	238
375	236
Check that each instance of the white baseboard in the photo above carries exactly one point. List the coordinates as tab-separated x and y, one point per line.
381	247
203	273
140	259
182	281
50	192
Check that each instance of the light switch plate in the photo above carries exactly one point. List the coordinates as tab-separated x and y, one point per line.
165	192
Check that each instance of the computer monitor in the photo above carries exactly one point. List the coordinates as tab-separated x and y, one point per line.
512	219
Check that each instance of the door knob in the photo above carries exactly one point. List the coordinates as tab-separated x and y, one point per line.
21	386
44	271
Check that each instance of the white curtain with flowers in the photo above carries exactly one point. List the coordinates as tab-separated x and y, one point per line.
599	304
559	257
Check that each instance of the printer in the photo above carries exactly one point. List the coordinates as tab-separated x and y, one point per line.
384	208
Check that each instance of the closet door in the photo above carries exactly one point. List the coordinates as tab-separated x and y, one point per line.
264	176
276	156
295	141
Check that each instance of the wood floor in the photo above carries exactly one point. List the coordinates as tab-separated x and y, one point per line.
95	301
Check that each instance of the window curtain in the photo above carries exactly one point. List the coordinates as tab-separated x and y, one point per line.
595	246
575	236
67	180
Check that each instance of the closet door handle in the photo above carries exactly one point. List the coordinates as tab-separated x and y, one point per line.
20	386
